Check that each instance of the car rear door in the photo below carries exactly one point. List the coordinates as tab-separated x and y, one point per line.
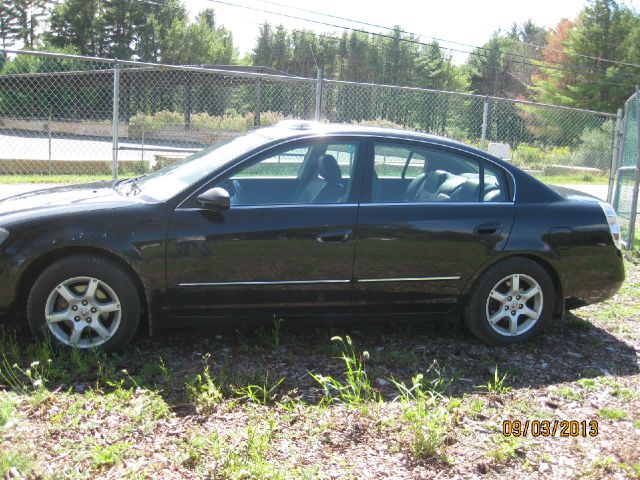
416	248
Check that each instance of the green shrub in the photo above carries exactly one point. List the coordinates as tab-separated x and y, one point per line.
231	121
595	147
538	157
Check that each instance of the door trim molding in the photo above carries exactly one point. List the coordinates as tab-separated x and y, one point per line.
316	282
258	283
410	279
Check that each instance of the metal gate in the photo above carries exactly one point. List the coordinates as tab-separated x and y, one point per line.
627	178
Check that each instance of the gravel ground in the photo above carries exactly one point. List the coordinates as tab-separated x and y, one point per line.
207	403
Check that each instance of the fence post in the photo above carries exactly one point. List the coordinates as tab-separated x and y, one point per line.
615	156
634	199
49	137
256	112
485	118
318	114
116	118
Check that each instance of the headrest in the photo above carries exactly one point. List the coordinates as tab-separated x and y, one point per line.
467	192
434	180
328	168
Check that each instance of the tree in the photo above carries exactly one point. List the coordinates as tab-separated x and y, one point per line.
29	15
487	67
262	53
9	29
199	43
153	35
75	23
603	31
120	22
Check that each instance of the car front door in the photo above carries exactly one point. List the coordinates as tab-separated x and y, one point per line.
429	218
286	241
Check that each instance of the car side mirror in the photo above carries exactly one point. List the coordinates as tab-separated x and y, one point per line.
215	199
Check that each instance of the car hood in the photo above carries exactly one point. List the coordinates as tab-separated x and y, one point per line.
571	194
60	200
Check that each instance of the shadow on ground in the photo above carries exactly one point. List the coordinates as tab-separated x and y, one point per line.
570	350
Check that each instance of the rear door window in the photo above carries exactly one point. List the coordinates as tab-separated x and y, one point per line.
411	173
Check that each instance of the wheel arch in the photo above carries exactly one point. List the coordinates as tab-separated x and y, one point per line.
41	263
559	307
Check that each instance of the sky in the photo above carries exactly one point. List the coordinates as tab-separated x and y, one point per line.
465	21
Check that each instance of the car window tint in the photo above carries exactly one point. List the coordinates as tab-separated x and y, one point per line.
282	164
390	161
345	154
317	172
494	185
407	173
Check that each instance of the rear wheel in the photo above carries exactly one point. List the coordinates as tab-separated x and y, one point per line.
511	302
84	302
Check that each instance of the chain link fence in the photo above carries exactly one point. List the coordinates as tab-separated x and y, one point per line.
571	145
625	200
73	115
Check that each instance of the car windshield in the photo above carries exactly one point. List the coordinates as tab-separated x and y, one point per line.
173	179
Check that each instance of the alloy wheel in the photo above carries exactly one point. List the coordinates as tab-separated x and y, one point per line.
83	312
514	305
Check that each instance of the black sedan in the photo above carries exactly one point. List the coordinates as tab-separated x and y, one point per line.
307	219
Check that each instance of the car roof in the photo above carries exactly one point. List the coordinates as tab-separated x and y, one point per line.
293	128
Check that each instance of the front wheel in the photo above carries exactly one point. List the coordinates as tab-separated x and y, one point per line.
511	302
84	302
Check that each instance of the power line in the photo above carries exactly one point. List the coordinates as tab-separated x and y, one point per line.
443	39
408	40
574	77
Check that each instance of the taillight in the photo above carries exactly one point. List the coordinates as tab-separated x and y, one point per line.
612	220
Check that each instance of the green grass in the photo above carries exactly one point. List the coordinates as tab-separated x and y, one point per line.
14	460
355	386
109	455
505	449
569	393
612	413
7	406
65	179
497	384
427	421
574	179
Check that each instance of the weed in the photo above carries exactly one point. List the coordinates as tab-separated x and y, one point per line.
624	394
569	393
204	390
612	414
505	449
108	456
429	426
356	387
7	406
14	460
276	333
261	394
30	381
579	323
476	407
218	457
428	422
588	383
497	385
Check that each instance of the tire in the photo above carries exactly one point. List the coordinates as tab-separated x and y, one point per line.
84	302
499	315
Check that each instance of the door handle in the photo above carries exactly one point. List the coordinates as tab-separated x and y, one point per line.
335	237
488	228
